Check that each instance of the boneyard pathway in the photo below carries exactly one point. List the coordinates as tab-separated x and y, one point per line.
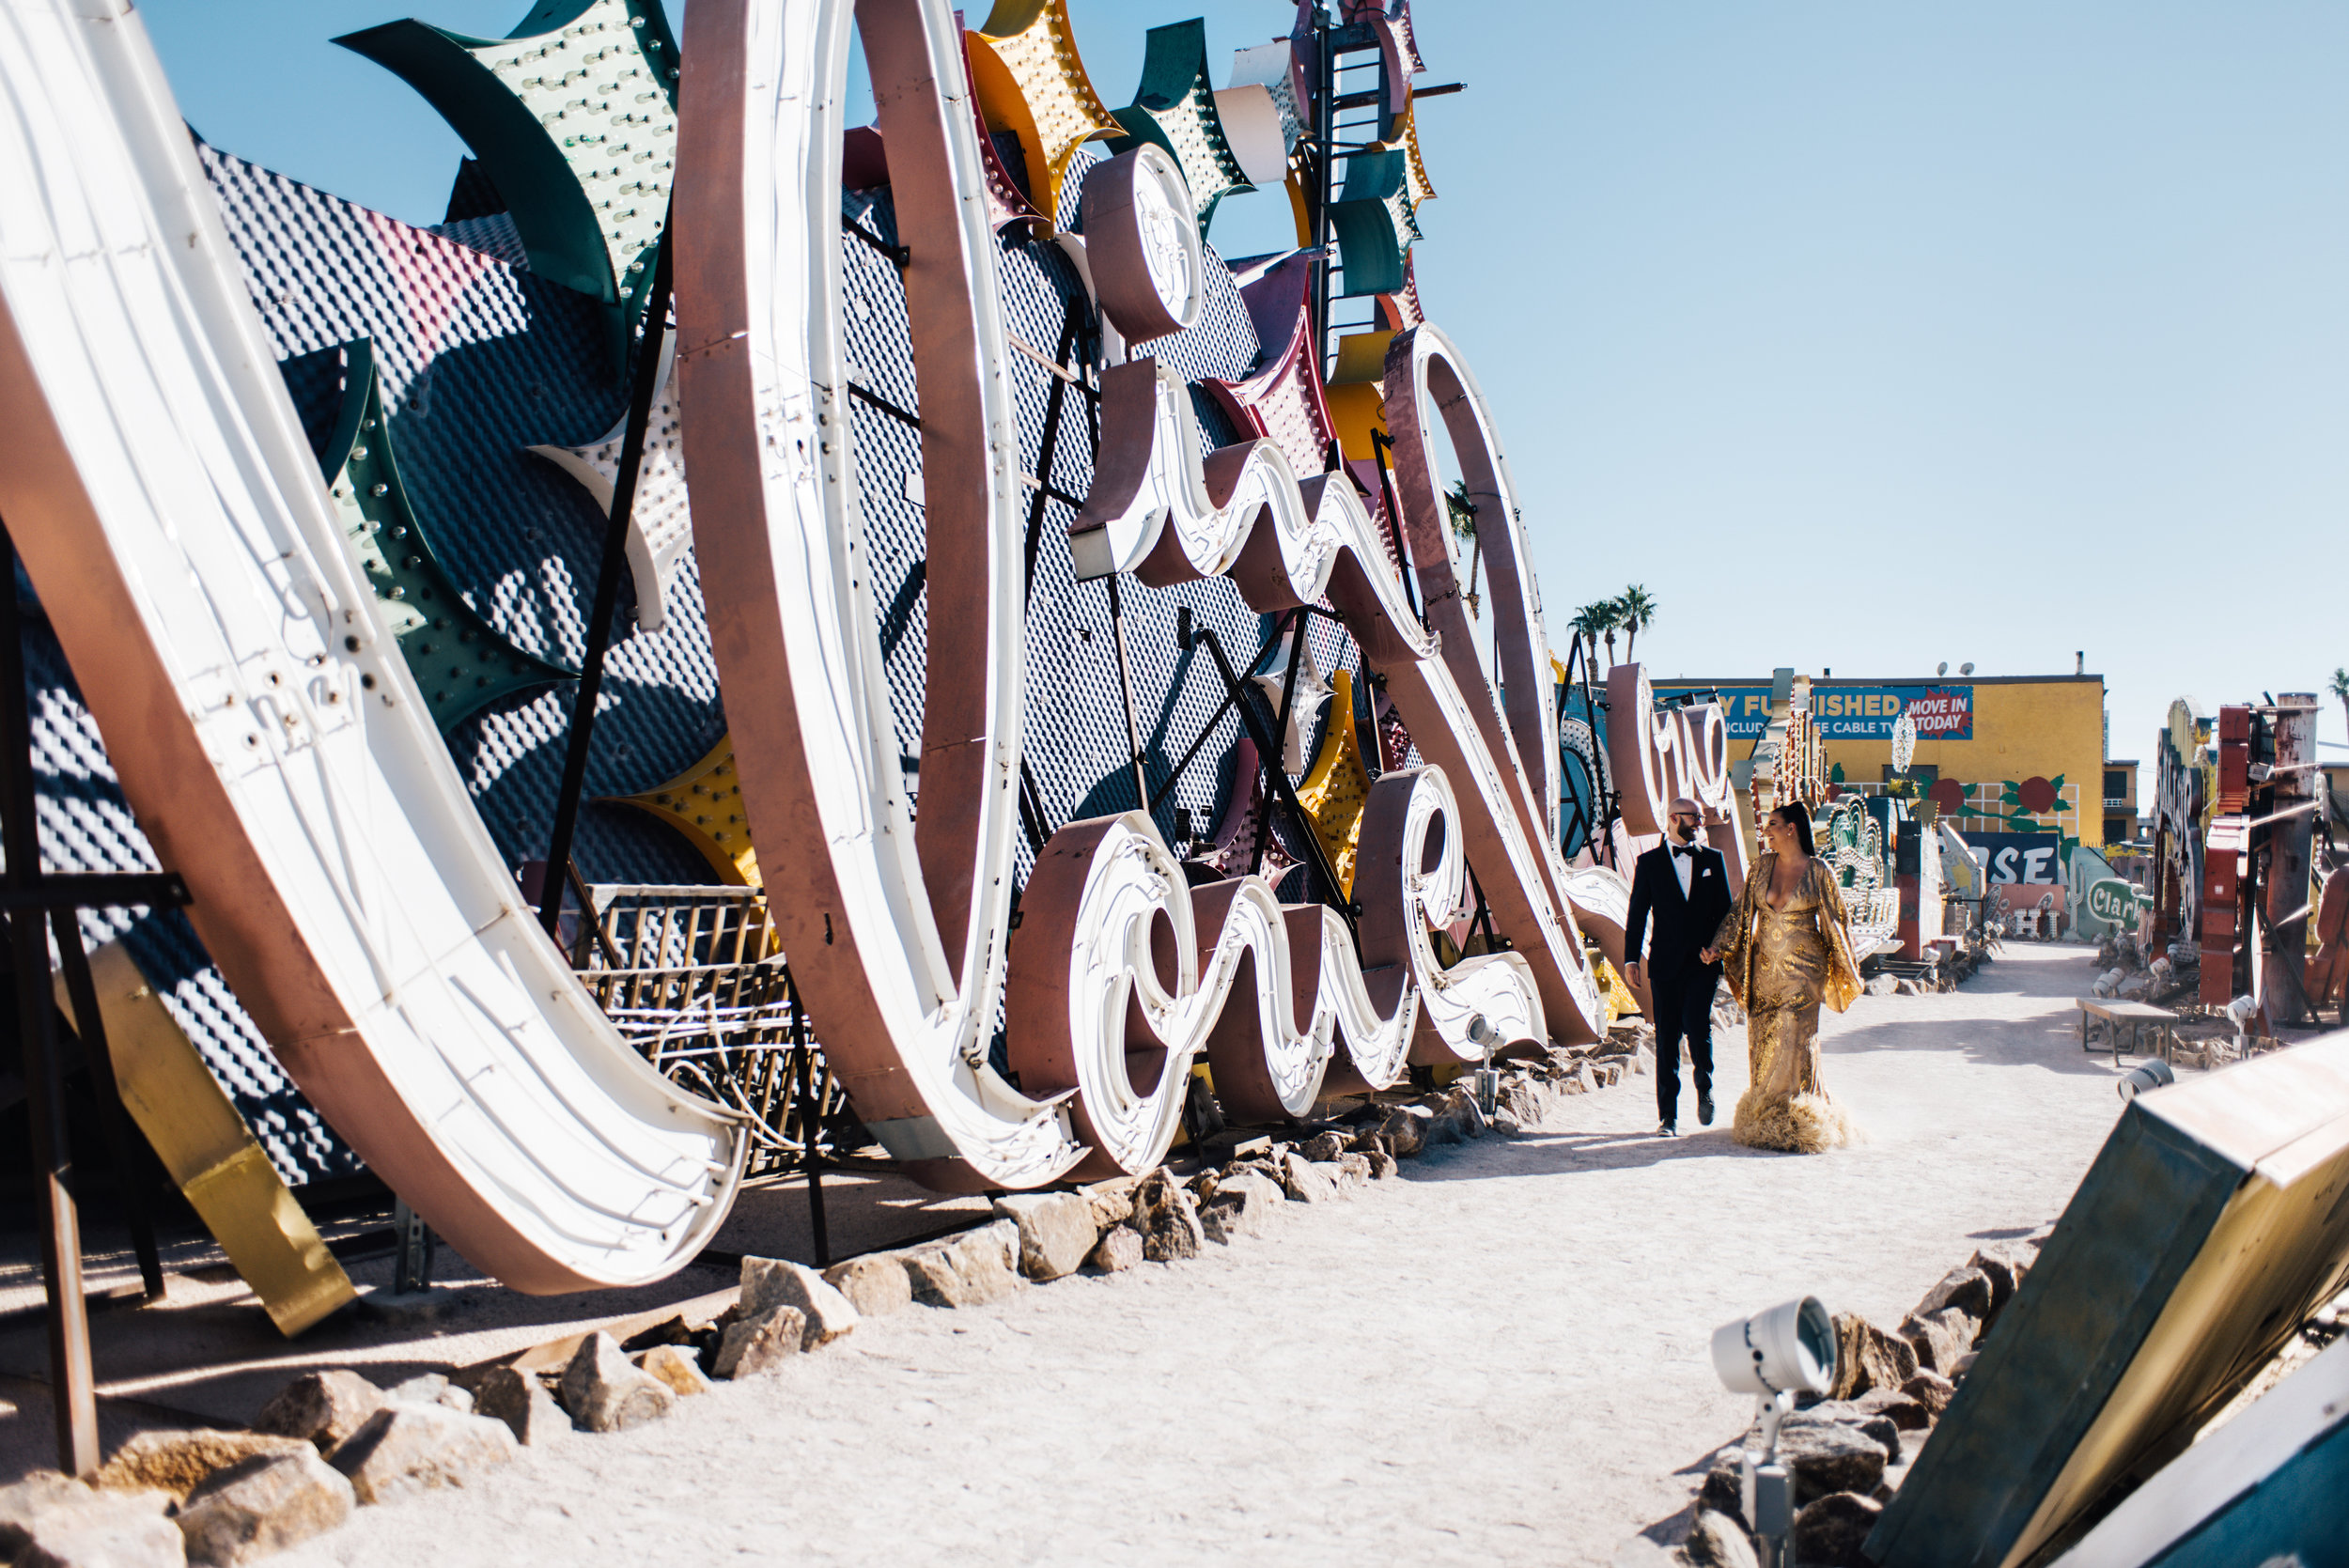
1500	1355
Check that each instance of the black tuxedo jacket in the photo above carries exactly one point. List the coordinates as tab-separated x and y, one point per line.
1682	925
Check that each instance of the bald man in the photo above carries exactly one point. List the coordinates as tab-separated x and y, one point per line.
1686	887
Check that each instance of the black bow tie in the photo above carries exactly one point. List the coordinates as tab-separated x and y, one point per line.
1688	850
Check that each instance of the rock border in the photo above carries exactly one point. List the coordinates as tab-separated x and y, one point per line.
332	1441
1849	1451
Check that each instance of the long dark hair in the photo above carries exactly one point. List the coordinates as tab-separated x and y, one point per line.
1797	816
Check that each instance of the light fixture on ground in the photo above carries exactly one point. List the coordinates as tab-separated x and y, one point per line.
2155	1074
1789	1350
1484	1037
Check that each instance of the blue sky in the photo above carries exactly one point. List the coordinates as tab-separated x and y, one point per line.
1865	336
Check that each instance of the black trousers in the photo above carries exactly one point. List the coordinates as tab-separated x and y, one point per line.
1683	1007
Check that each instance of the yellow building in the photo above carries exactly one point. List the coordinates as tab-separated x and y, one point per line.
2008	753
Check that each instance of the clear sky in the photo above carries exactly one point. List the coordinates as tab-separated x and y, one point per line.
1865	336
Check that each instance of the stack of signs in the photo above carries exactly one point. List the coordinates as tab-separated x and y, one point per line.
2211	1226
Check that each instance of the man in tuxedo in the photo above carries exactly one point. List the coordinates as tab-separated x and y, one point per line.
1686	887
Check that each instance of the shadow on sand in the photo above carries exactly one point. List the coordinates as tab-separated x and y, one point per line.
1551	1153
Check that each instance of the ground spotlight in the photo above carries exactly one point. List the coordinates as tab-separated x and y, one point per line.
2155	1074
1789	1350
1484	1037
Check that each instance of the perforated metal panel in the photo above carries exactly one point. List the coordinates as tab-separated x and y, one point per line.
86	825
480	361
1076	742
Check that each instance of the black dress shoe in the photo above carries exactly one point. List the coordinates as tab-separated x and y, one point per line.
1665	1129
1704	1108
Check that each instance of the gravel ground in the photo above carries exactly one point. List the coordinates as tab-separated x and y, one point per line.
1499	1355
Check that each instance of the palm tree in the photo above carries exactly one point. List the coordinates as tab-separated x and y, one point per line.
1462	511
1588	623
2341	689
1639	609
1611	622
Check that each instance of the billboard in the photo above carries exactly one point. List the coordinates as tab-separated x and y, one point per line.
1848	712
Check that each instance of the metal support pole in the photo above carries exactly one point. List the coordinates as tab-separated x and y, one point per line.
811	1129
1053	403
1379	446
1185	639
113	1121
1284	793
1275	760
1325	134
414	1271
608	574
72	1389
1125	690
2291	839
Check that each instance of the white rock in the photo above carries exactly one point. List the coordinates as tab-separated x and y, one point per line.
1056	1231
676	1366
259	1507
604	1392
407	1449
55	1521
779	1282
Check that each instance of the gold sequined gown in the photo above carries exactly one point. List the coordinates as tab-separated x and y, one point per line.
1782	964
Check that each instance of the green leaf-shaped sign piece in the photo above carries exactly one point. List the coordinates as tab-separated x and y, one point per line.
1174	107
574	117
460	661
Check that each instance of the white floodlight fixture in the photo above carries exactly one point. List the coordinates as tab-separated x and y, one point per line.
1942	668
1789	1350
1482	1035
1967	668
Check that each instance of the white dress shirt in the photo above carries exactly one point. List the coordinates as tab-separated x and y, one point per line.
1682	864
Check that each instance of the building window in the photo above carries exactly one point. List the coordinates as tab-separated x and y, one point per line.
2116	829
2116	783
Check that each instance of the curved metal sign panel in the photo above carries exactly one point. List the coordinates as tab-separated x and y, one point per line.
263	725
899	927
284	759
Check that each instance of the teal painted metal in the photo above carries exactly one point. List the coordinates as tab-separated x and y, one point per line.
1174	107
461	663
574	117
1374	221
2146	1214
2268	1486
2298	1514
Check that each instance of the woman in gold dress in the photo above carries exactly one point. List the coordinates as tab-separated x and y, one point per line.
1784	949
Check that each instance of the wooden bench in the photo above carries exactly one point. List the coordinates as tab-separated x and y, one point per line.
2135	1015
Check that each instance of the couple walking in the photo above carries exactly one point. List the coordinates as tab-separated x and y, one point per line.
1785	948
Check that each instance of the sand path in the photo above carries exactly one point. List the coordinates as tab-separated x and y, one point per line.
1501	1356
